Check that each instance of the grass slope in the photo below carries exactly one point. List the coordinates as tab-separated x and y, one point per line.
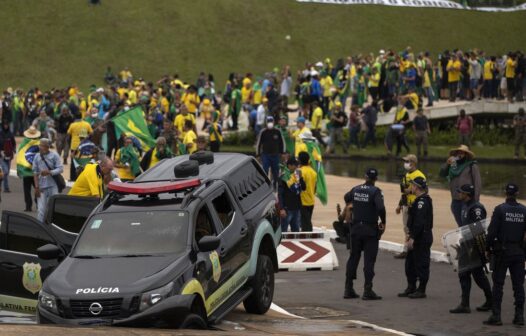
60	42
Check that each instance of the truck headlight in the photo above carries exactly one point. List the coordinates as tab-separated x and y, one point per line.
48	302
155	296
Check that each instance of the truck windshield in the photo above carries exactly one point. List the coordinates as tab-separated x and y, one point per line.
133	234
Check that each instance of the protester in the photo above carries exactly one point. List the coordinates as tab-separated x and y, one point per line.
465	128
189	137
338	121
7	152
307	196
158	153
127	161
269	146
46	164
90	183
291	185
62	122
459	169
422	130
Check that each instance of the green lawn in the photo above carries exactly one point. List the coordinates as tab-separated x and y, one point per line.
61	42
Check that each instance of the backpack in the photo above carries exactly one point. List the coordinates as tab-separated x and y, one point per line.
9	149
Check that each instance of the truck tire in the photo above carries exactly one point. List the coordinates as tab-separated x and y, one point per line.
262	287
193	321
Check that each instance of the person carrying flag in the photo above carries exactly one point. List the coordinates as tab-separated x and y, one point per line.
127	161
215	132
24	163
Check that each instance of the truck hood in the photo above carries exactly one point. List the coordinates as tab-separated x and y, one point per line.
111	277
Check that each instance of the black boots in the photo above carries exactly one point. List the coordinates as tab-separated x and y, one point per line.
494	320
486	306
420	293
349	292
462	308
369	294
519	317
409	290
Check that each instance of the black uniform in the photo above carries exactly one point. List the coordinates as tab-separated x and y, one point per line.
505	240
368	206
420	225
472	212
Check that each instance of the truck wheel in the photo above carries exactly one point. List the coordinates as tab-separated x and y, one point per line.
262	287
193	321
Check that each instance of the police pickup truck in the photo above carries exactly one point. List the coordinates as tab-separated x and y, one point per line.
181	246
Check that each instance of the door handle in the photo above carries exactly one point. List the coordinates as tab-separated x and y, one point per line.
222	251
9	266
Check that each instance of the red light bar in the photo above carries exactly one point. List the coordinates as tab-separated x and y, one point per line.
150	188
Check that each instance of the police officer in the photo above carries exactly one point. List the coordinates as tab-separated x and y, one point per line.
505	242
368	205
420	225
472	212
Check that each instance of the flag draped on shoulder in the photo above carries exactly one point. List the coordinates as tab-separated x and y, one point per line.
316	162
24	158
132	122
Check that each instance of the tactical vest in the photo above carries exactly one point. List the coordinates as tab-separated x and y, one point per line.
472	212
364	208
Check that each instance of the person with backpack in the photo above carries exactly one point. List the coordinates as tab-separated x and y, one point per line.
7	151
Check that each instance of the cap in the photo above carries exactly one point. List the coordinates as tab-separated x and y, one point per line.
292	161
270	119
381	52
467	189
300	120
410	158
371	173
511	189
420	182
338	104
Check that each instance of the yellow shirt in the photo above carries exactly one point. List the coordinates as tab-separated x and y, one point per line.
89	183
165	105
124	173
488	70
410	177
154	160
453	68
298	142
191	100
245	94
82	108
413	97
246	81
121	91
310	177
189	138
132	96
317	116
257	97
510	68
75	129
326	84
374	80
180	120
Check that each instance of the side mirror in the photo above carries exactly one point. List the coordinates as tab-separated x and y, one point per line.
208	243
49	252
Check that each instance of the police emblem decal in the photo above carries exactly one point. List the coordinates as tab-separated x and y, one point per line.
31	278
216	266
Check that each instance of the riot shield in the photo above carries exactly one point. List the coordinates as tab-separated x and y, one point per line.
466	246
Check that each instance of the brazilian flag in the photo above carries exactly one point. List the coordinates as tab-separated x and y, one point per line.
132	122
316	162
24	158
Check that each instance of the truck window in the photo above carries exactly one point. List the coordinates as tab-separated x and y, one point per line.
26	237
223	207
204	226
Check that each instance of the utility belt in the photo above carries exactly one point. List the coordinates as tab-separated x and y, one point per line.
362	223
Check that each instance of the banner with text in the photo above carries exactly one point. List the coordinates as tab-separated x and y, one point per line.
418	3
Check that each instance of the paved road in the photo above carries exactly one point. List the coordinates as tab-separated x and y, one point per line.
318	294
